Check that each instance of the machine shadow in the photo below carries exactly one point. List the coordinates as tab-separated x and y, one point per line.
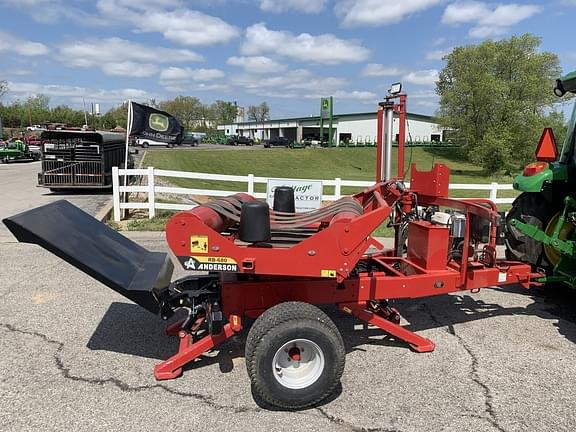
130	329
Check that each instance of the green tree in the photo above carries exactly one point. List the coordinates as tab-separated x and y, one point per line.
497	96
65	114
221	112
37	109
3	87
116	116
259	112
188	110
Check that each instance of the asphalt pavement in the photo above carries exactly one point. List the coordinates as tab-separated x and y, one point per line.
75	355
19	192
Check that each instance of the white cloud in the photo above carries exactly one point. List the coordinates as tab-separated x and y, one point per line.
306	6
181	79
324	49
379	12
298	84
438	54
256	64
130	69
52	11
11	43
423	94
463	12
120	57
378	70
487	20
355	95
75	94
170	18
422	77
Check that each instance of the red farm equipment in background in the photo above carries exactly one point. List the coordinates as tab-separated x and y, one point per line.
277	265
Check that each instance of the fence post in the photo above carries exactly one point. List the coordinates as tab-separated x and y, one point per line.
338	188
151	197
116	194
493	191
251	184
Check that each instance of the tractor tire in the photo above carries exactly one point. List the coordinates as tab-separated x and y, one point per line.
534	209
294	356
144	144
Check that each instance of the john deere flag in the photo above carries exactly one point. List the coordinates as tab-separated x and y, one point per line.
154	124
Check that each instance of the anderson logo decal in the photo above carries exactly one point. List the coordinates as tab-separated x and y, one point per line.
196	263
158	122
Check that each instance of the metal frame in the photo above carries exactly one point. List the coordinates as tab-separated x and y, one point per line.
270	275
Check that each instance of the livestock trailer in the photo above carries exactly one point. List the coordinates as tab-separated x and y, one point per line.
80	159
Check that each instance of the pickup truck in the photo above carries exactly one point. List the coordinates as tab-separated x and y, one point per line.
277	142
146	142
240	140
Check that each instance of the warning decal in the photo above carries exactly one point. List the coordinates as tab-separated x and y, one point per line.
198	244
328	273
203	263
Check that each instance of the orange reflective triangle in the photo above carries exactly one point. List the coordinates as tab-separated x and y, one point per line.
546	150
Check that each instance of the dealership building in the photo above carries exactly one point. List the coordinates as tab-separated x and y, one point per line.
356	127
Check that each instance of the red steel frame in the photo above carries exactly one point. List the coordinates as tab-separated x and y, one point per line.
299	273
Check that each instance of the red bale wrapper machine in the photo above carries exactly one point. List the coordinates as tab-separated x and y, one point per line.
276	266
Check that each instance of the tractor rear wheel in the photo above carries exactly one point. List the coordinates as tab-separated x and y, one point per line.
533	209
294	356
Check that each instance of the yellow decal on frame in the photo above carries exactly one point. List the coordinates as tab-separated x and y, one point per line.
328	273
198	244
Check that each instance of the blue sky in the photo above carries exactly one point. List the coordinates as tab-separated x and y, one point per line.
288	53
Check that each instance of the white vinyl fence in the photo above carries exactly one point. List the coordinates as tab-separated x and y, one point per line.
151	189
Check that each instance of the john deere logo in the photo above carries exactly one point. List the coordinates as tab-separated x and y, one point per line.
158	122
325	104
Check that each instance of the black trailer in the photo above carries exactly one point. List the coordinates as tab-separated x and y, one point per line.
80	159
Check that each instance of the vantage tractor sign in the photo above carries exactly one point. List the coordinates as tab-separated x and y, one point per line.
307	193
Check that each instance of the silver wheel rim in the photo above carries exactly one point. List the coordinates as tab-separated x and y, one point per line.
298	364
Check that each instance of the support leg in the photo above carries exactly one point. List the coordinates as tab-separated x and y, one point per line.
188	351
418	343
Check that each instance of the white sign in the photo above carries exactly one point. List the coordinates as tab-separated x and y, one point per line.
307	193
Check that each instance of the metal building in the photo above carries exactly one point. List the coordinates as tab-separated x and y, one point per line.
355	127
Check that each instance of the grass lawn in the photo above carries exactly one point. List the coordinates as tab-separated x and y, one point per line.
317	163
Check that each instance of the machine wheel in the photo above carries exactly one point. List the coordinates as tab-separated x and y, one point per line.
294	355
144	144
534	209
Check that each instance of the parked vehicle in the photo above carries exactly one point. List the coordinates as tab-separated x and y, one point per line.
277	142
81	159
36	128
192	140
147	142
240	140
542	219
17	150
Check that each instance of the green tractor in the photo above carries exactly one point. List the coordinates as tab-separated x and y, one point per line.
541	224
17	150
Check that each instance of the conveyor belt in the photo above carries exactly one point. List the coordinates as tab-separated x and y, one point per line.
231	207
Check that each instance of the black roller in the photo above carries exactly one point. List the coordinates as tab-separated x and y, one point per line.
284	199
254	222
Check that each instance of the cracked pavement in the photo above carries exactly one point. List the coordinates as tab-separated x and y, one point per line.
77	356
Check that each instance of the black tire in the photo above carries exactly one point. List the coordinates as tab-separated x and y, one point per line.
534	209
294	324
144	144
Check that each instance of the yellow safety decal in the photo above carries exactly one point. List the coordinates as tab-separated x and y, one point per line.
347	309
328	273
198	244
